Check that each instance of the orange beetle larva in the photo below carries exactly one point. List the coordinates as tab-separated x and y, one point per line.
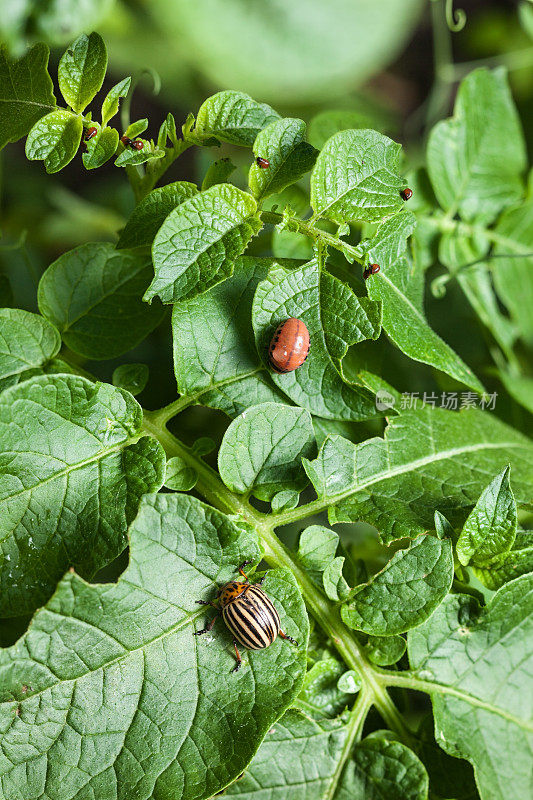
289	346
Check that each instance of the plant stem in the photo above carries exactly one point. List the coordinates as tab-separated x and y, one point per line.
316	234
354	730
326	614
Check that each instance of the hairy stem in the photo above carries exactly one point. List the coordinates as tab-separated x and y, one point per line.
306	228
354	730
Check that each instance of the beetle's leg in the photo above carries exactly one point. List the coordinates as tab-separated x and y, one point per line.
237	666
206	603
241	569
260	581
208	626
288	638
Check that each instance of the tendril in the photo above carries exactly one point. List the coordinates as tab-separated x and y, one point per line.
455	19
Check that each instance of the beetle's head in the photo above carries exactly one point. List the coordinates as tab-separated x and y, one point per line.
230	591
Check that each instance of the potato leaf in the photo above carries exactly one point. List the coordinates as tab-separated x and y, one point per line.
197	244
73	467
262	449
481	712
93	295
449	454
406	591
120	683
356	177
318	299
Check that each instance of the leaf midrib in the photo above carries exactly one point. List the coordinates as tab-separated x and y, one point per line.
412	466
69	469
189	616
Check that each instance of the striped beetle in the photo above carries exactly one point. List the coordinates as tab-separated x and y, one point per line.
249	614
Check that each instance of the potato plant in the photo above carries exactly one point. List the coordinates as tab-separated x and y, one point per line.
108	694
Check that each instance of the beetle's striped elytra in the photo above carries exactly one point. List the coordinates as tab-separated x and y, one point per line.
249	614
289	346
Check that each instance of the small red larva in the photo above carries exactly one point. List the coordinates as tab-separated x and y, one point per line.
137	144
370	270
406	194
289	346
90	134
262	162
126	141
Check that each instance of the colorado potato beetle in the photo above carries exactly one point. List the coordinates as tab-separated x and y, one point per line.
262	162
370	270
289	346
406	194
90	133
249	614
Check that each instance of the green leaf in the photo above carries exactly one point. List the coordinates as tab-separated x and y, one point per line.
135	129
131	377
349	682
429	459
399	286
513	276
321	694
284	500
476	158
123	688
381	770
179	476
26	92
519	387
318	299
356	177
405	592
92	294
55	139
215	359
490	529
385	650
112	99
72	470
82	70
306	754
148	216
505	567
316	549
262	450
443	528
233	117
132	158
333	580
101	148
218	172
475	666
283	145
197	244
27	343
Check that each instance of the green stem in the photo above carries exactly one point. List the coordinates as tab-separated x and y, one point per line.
326	614
157	168
516	59
354	730
317	235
